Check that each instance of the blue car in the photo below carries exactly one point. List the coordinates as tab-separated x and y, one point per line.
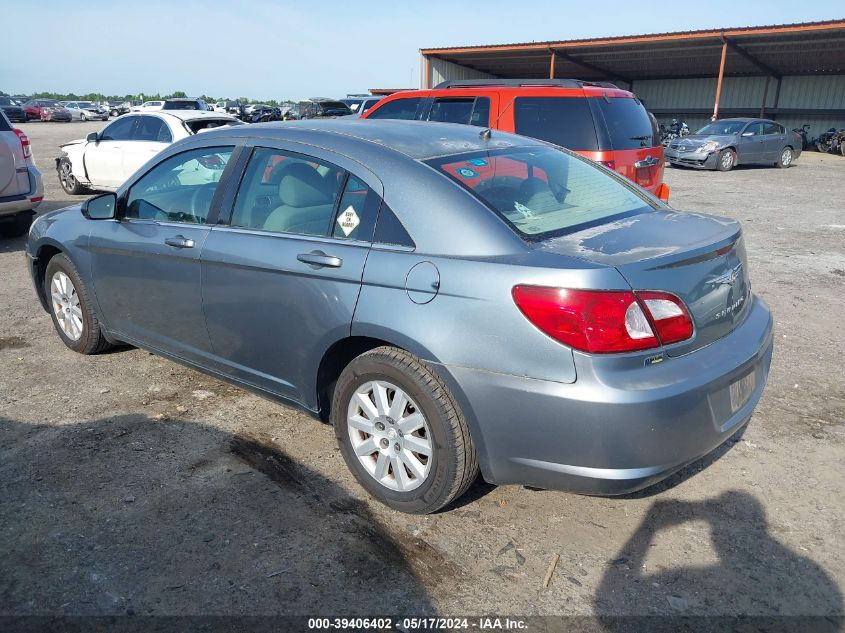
450	299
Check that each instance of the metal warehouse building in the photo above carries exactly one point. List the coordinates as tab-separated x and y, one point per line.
794	73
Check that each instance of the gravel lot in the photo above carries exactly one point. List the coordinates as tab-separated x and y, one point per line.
129	484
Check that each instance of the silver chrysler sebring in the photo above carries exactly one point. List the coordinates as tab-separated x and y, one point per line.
451	299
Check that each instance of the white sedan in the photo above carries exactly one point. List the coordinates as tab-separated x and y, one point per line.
105	159
147	106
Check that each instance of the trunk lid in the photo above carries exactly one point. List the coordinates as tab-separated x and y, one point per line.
699	258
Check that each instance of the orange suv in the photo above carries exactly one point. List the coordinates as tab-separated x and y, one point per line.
597	120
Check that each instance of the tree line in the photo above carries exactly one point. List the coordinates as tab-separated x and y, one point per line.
96	96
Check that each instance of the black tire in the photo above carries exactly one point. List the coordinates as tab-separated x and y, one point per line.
455	463
91	340
785	161
726	160
66	178
16	227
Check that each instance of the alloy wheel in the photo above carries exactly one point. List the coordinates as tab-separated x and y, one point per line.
66	176
390	435
65	302
727	160
786	157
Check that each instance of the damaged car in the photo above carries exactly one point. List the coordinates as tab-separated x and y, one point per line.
724	144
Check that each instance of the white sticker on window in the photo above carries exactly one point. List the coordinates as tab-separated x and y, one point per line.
348	220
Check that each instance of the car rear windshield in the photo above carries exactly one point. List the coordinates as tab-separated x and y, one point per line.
5	101
5	125
542	192
564	121
627	122
209	124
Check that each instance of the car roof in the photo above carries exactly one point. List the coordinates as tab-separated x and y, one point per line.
187	115
418	140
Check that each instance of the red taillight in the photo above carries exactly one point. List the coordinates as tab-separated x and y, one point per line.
668	315
610	164
604	321
25	146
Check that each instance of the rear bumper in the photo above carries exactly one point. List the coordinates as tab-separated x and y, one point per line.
616	430
692	159
14	205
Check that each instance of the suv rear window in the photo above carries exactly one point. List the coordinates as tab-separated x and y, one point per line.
564	121
627	123
180	105
542	192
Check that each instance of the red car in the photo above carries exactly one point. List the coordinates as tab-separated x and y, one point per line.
46	110
596	120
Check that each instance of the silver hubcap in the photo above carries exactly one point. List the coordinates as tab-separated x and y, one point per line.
390	435
66	306
727	159
66	176
786	157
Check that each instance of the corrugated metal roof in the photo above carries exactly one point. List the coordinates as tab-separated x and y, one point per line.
777	50
701	33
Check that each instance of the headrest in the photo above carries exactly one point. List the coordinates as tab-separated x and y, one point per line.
302	186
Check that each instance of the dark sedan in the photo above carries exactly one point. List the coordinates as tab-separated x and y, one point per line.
451	299
12	109
726	143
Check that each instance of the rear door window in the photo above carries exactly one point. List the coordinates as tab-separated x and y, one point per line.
151	128
564	121
772	128
397	109
468	111
287	193
627	122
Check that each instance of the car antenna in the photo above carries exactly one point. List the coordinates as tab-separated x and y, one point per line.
486	133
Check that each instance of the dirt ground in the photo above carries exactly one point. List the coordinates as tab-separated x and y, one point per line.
132	485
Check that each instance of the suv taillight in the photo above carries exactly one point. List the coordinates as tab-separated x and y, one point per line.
605	321
25	146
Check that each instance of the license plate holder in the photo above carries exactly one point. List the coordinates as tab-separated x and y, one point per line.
741	391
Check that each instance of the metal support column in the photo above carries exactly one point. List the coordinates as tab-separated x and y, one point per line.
552	66
719	82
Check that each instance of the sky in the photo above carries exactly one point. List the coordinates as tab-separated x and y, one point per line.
275	49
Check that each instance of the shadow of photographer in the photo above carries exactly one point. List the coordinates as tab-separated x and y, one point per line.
755	575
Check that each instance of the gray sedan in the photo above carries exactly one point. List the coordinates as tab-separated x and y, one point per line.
726	143
451	300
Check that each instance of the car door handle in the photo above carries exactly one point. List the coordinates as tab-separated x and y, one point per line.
318	259
179	242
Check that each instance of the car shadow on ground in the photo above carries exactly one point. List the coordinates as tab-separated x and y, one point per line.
136	516
754	574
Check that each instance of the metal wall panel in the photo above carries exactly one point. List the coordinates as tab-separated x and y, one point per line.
441	70
820	91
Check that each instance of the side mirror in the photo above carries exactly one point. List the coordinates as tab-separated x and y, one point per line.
100	207
747	134
93	137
